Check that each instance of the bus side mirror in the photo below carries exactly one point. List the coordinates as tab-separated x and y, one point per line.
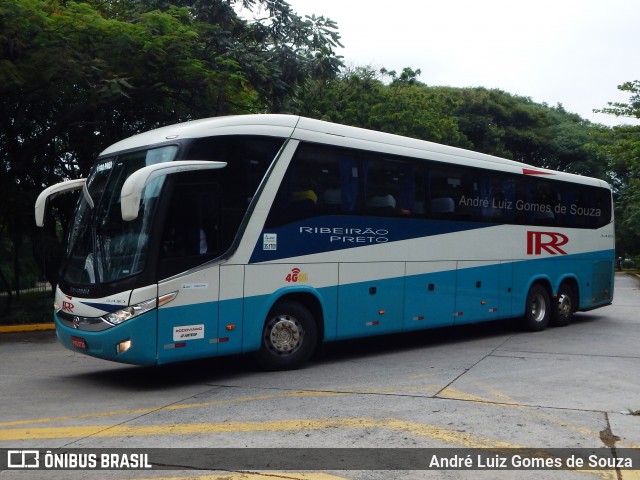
52	192
131	192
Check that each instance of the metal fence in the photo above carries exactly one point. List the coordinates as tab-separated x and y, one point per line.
39	287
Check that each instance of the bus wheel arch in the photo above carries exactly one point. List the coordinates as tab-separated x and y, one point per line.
565	303
538	307
291	332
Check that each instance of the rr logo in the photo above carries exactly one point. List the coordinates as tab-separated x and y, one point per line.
67	307
550	242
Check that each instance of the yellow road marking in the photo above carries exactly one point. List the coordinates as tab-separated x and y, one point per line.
424	430
254	476
420	429
452	393
447	436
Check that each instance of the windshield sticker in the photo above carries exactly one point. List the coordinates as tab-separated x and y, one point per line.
270	241
195	286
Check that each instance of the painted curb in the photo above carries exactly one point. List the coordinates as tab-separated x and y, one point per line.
30	327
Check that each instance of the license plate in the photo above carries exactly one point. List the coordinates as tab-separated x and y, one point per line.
79	343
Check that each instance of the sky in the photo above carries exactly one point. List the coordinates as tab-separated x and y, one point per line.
573	52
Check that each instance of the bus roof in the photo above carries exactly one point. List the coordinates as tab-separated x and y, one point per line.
308	129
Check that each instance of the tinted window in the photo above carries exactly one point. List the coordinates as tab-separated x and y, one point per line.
327	181
204	210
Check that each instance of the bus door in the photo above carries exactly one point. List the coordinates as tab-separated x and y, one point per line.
430	294
370	298
193	233
188	325
477	292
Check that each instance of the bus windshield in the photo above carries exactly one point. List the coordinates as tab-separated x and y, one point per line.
102	247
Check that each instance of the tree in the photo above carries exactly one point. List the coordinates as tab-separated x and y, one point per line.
77	76
621	145
630	109
71	82
498	123
276	51
488	121
360	97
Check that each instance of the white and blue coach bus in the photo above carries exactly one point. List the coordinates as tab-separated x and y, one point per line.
272	233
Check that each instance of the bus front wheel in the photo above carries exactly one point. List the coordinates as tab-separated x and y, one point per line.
538	309
288	337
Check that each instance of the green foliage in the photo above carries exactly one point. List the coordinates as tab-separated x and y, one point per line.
361	98
34	307
514	127
488	121
500	124
630	109
621	146
77	76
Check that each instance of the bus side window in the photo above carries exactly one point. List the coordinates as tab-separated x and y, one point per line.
444	193
545	198
390	186
319	181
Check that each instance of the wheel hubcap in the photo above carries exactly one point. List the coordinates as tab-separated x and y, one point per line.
538	308
284	334
564	305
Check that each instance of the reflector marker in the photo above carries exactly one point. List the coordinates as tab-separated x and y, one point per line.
219	340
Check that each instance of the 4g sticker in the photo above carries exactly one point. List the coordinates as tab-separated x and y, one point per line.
295	276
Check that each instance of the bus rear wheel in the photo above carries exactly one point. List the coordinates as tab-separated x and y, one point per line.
537	309
565	306
288	337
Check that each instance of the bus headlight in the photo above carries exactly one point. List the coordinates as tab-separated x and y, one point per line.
127	313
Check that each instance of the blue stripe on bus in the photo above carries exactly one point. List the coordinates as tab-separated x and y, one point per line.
421	301
335	232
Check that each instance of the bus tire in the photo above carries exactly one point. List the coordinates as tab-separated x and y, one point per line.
288	337
564	306
537	312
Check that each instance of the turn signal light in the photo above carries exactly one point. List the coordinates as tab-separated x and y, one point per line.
123	346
